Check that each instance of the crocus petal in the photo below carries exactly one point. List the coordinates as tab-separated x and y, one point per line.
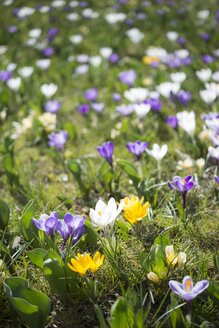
176	287
200	287
187	283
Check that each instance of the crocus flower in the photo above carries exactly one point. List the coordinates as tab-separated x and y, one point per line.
216	178
128	77
106	151
135	209
158	152
186	290
105	214
137	147
5	76
114	58
58	139
187	121
83	109
182	184
71	226
172	258
52	106
47	223
184	97
155	104
172	121
85	262
91	94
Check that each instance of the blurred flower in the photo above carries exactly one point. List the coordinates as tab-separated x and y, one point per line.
91	94
43	63
203	14
216	178
208	95
106	151
187	164
204	74
183	97
134	209
178	77
114	58
48	51
200	163
113	18
71	226
150	60
105	214
182	184
186	121
135	35
165	88
125	110
85	262
48	90
58	139
172	121
208	59
95	61
106	52
26	71
83	109
12	29
76	39
158	152
214	152
48	120
186	290
14	83
141	110
137	148
172	35
35	33
5	76
52	106
128	77
136	95
155	103
47	223
116	97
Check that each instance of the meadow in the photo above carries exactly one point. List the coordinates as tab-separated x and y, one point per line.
109	152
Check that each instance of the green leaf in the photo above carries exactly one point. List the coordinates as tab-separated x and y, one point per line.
69	127
32	306
26	226
37	256
55	274
119	316
213	292
4	214
131	170
75	169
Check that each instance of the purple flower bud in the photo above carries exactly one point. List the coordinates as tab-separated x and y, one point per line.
91	94
172	121
184	97
71	226
48	52
155	103
128	77
106	151
114	58
47	223
5	76
137	148
58	139
52	106
208	59
83	109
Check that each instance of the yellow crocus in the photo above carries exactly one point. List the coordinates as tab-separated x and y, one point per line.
152	276
172	258
134	209
85	262
149	59
97	261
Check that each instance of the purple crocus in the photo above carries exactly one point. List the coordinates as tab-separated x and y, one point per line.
116	97
125	110
5	76
71	227
137	148
184	97
114	58
172	121
47	223
58	139
186	290
51	34
106	151
155	103
48	52
91	94
12	29
216	178
83	109
208	59
52	106
128	77
183	185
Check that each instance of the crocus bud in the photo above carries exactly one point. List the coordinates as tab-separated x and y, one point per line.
153	277
181	259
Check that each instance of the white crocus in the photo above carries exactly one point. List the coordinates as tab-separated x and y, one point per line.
172	35
141	110
48	90
182	53
158	152
156	52
186	121
43	63
105	214
11	67
25	11
203	14
208	95
72	17
58	3
165	88
204	74
135	35
35	33
76	39
113	18
213	152
48	121
213	87
14	83
136	95
26	71
106	52
178	77
95	61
